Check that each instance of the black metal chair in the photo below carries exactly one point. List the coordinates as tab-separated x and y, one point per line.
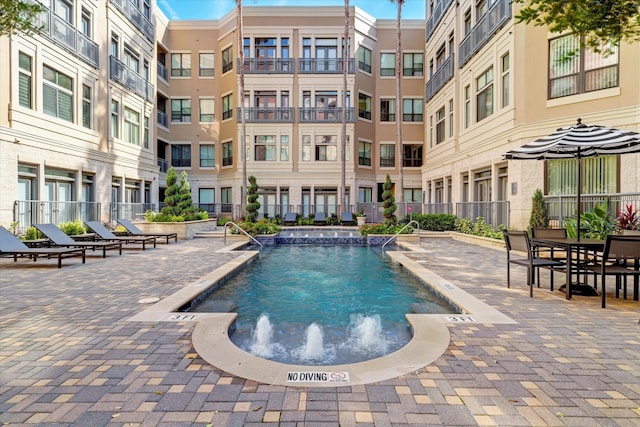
519	241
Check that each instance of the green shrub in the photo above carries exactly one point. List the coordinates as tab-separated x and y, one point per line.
539	215
432	222
384	229
32	233
263	226
223	220
479	228
73	228
594	224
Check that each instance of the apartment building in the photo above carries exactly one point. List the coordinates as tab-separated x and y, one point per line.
494	85
94	110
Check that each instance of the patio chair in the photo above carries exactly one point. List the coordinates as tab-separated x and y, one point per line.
135	231
59	238
347	218
12	246
290	218
105	234
519	241
319	218
621	258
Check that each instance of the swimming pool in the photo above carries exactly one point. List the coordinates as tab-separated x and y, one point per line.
323	304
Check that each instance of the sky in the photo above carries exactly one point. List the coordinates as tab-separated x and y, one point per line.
214	9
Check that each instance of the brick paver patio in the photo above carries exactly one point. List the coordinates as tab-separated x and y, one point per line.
69	356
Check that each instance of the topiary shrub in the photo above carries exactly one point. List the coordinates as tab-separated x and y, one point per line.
539	214
252	200
389	203
179	202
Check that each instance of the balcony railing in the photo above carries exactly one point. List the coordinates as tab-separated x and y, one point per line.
136	17
29	212
119	72
324	66
267	65
267	115
163	119
163	165
324	115
163	72
436	16
60	31
438	208
495	18
440	78
494	213
130	211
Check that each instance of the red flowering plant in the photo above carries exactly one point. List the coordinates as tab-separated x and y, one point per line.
628	219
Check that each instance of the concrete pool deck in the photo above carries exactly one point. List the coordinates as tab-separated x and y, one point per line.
70	355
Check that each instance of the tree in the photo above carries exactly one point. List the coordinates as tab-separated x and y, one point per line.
398	112
171	193
389	203
185	200
253	205
19	16
598	22
539	215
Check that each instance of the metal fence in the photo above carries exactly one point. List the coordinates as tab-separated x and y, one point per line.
565	207
494	213
29	212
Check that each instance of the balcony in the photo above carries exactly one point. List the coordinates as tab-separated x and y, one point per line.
163	119
324	66
122	74
163	166
267	66
436	16
324	115
440	78
495	18
65	34
267	115
163	72
136	17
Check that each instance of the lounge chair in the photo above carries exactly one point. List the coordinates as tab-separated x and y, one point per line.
290	218
135	231
12	246
347	219
105	234
319	218
59	238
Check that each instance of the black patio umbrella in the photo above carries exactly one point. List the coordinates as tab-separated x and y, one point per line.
578	141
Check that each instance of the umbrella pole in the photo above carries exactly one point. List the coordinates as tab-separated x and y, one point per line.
579	194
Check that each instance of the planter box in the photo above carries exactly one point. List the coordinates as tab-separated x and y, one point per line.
477	240
186	230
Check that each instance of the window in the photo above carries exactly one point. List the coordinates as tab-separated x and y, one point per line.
227	59
364	106
146	8
387	64
284	148
227	107
388	110
574	69
226	198
86	106
481	9
440	56
115	119
412	195
599	175
412	155
440	125
207	155
115	46
326	54
484	95
25	82
85	23
207	199
412	110
131	126
467	106
364	153
265	47
505	80
364	59
206	64
387	155
306	148
326	148
64	9
181	155
206	110
413	64
265	148
180	110
131	59
467	22
145	135
180	64
451	118
57	94
227	153
305	64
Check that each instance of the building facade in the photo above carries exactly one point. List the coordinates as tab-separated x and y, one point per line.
94	110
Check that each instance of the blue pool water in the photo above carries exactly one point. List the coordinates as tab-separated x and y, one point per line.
353	295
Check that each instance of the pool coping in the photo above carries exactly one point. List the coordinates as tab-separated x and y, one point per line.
430	340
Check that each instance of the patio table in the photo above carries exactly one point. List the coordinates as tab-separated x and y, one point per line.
573	247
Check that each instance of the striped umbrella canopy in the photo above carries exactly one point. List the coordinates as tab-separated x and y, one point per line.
578	141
